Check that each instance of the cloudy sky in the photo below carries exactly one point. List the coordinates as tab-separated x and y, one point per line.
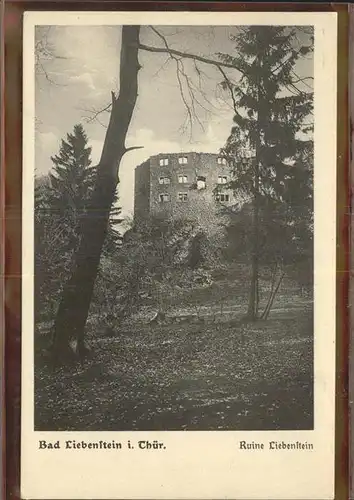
86	68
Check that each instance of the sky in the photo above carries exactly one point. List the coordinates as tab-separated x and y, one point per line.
79	80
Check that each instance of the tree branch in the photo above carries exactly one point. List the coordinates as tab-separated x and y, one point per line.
302	80
131	148
45	53
186	55
114	98
183	77
96	113
228	83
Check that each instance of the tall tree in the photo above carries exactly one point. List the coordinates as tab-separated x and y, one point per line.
71	182
269	148
61	203
74	306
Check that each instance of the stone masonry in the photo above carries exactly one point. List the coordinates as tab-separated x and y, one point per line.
192	185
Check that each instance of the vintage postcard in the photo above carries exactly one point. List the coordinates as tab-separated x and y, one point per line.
179	255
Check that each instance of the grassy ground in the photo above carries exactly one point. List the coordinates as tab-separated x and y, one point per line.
219	374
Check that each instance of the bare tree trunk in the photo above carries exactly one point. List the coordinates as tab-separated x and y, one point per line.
274	276
74	306
252	312
272	297
256	307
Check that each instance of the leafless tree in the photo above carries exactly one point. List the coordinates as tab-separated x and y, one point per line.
45	53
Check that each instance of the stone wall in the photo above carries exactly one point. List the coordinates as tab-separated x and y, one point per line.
142	190
181	185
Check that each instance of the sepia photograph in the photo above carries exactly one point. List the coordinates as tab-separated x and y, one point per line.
179	255
173	227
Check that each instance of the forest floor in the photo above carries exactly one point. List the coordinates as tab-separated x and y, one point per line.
188	376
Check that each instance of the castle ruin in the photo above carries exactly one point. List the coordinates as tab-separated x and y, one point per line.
191	185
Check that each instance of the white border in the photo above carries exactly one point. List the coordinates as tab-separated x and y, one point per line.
195	464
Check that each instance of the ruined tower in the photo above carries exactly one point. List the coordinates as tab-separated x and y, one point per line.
192	185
